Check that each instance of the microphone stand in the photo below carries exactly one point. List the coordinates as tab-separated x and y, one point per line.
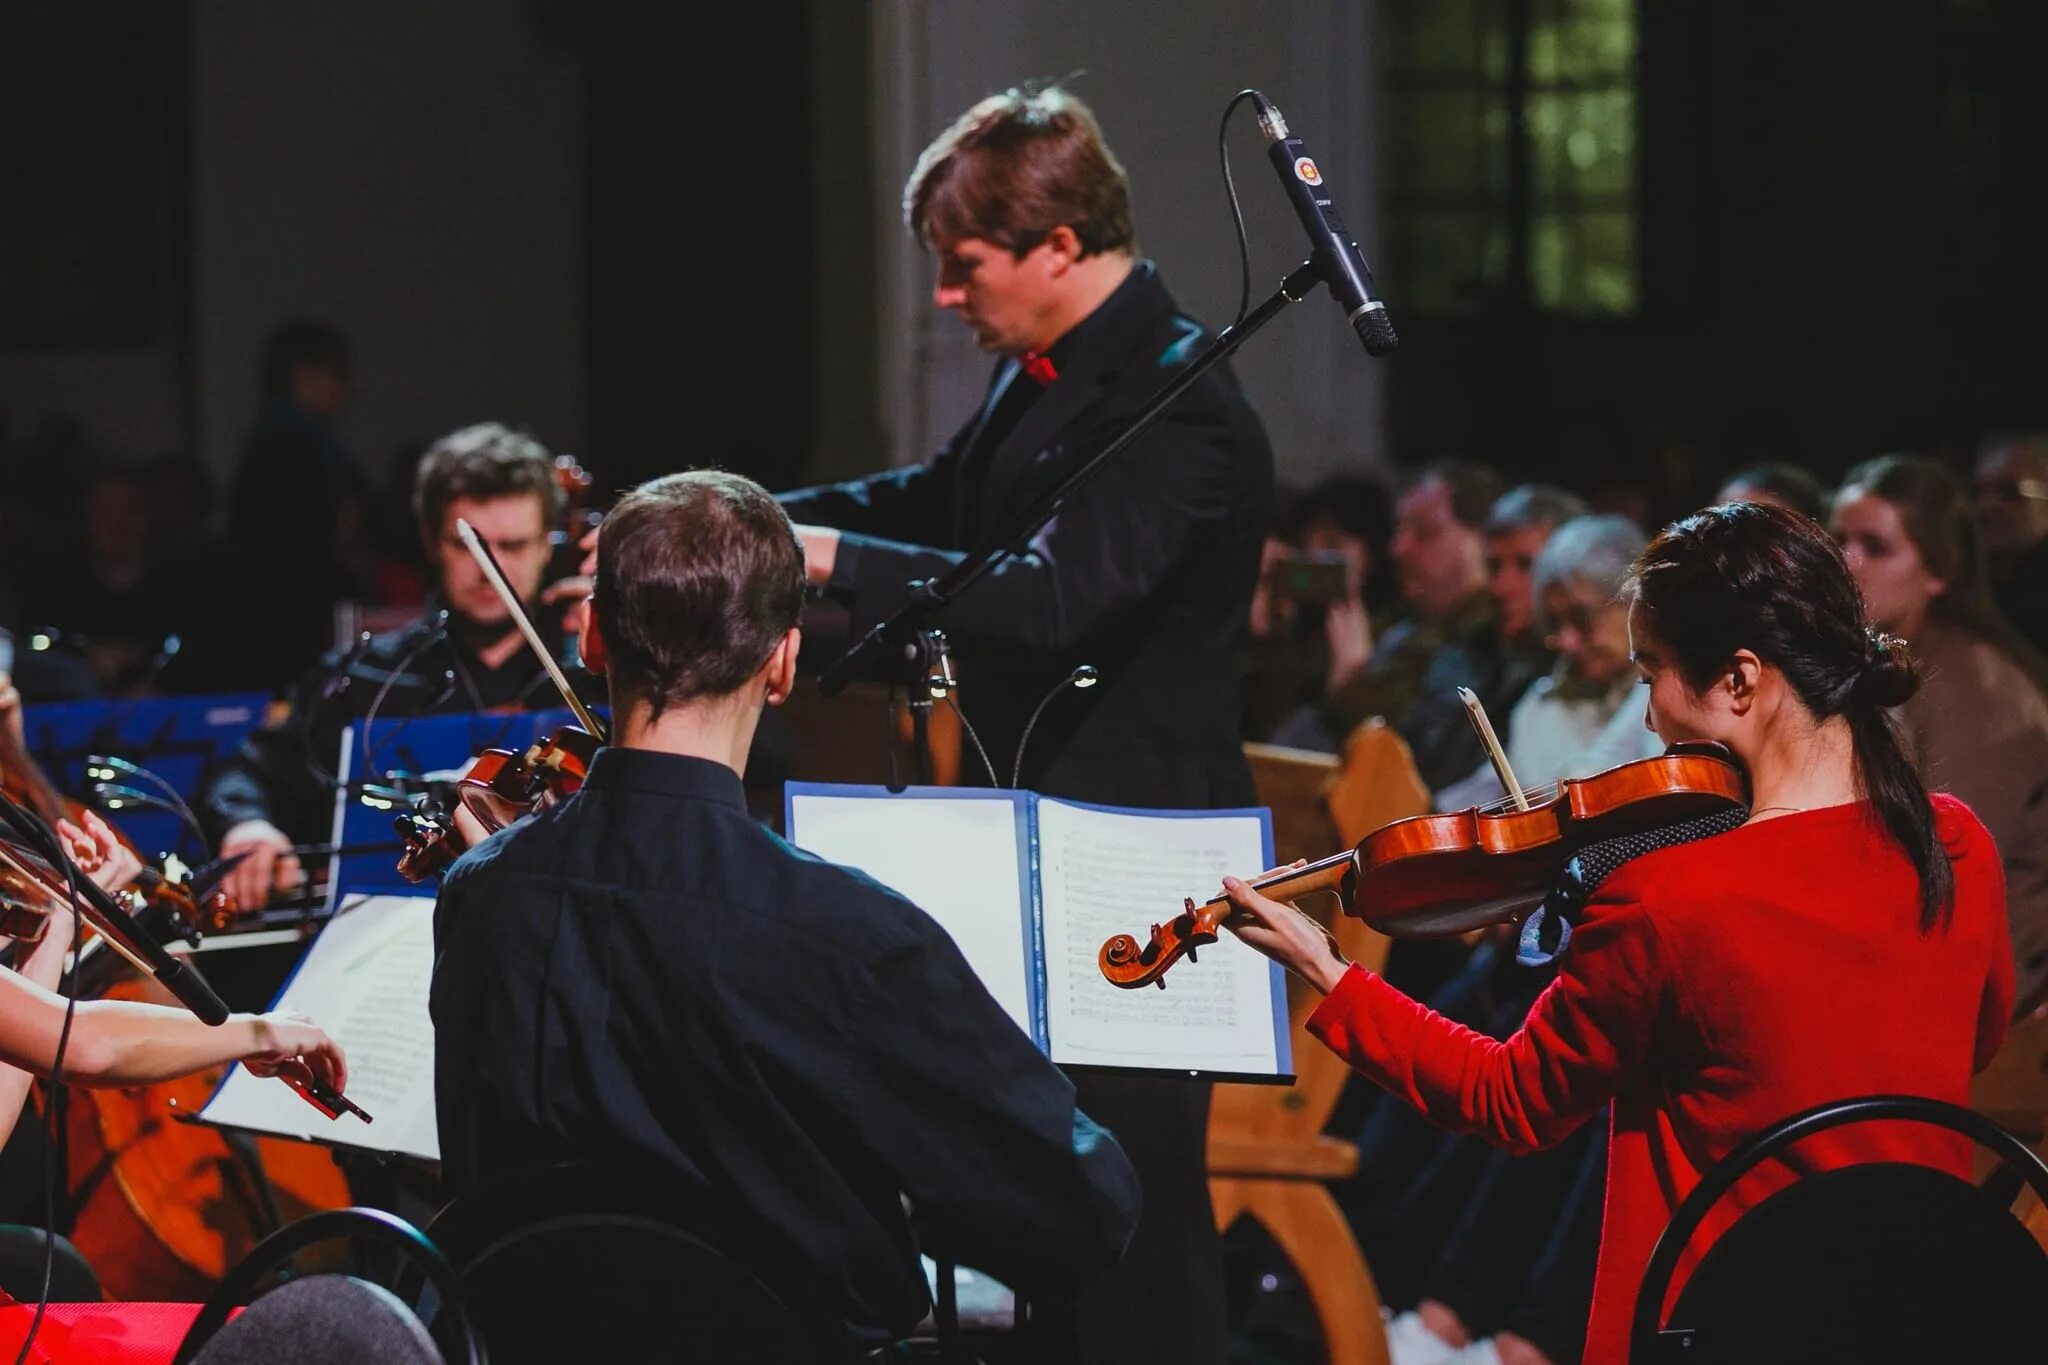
907	646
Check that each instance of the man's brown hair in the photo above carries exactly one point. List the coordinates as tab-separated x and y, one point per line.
488	460
1013	168
698	576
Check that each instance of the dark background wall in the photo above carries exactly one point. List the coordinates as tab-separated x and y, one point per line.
1840	218
659	249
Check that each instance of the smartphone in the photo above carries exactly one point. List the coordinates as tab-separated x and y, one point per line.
1311	577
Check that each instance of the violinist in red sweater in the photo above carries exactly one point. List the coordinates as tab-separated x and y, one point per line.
1850	939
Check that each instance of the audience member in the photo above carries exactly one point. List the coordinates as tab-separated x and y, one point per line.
1325	586
2012	504
108	598
298	504
1785	485
1978	725
1586	714
1450	639
1517	528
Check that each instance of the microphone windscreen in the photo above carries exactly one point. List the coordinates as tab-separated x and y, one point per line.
1376	332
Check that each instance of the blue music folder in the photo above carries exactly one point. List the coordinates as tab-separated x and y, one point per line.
1030	886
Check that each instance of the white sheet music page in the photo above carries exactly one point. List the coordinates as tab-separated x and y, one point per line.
1104	873
365	981
955	857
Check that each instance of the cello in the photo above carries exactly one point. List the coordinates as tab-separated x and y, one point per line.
160	1207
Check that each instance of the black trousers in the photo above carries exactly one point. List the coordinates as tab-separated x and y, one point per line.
1165	1299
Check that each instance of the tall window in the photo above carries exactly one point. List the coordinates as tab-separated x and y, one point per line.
1510	173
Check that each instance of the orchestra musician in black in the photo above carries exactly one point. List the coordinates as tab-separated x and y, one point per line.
645	980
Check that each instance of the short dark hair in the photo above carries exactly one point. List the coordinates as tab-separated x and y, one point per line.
297	343
1790	484
1474	488
488	460
1016	166
699	574
1533	504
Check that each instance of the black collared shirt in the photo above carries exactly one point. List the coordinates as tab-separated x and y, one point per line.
646	979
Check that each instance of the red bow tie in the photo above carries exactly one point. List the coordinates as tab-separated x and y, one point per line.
1039	367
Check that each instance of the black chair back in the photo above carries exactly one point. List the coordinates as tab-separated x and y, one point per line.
457	1337
561	1264
1877	1262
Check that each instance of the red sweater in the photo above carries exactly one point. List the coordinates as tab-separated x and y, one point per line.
1710	990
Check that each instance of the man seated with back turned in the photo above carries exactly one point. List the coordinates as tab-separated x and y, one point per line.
646	981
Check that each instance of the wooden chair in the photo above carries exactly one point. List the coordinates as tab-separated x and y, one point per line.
2013	1093
1268	1156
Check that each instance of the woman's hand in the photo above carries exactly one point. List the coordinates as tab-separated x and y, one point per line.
99	854
292	1043
1287	935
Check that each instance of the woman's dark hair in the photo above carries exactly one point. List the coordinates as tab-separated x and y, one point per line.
1941	521
1791	484
1749	575
699	576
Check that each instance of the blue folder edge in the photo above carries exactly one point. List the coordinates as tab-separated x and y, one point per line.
1025	804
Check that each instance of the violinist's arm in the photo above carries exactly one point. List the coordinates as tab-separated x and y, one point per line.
119	1042
1587	1032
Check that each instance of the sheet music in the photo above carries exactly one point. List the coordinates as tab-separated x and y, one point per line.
1103	873
956	858
365	981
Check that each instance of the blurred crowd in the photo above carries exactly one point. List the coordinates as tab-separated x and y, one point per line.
123	579
1378	601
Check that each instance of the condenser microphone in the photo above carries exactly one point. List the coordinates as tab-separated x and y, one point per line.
1337	257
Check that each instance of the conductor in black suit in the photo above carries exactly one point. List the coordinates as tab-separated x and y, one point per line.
1147	574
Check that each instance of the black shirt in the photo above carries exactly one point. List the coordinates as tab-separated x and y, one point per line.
284	775
646	979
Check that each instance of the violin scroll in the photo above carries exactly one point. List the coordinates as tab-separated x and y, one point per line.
1124	963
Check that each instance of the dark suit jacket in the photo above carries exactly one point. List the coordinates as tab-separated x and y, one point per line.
1147	574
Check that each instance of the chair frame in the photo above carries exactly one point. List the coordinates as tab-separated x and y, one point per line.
1648	1340
376	1225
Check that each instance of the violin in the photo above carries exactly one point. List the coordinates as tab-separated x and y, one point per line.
501	786
1440	875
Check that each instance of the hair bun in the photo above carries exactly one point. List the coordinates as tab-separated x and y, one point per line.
1890	673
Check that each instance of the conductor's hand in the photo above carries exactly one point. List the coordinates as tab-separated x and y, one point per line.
293	1043
268	868
1287	935
821	552
573	594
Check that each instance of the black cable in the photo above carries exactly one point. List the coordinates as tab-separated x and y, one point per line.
434	635
1244	255
31	823
968	726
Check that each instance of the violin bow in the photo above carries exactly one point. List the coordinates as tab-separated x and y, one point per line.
1476	710
485	561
